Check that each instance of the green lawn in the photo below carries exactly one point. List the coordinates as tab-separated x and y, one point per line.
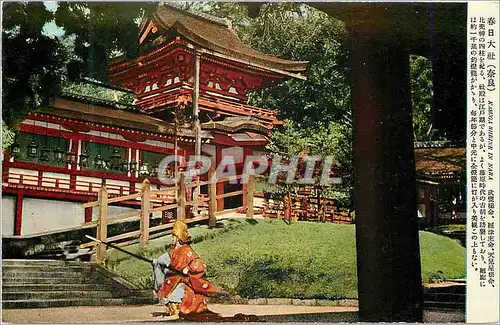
268	258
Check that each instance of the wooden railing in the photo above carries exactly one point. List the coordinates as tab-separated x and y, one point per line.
62	183
307	209
163	198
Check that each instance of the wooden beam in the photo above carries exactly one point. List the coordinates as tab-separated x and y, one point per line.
212	203
145	207
102	227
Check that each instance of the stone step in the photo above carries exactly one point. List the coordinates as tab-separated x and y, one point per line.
447	289
44	268
48	283
76	302
44	280
19	262
37	274
49	295
23	287
444	305
445	297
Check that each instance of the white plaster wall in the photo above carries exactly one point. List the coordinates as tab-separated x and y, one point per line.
115	210
160	144
236	152
48	215
211	151
8	214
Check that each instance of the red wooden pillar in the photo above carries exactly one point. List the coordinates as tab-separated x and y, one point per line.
40	176
72	181
88	213
220	186
18	219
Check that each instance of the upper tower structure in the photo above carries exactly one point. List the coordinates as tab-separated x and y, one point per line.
197	60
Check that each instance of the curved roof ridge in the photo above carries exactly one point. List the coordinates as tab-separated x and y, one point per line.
220	38
221	21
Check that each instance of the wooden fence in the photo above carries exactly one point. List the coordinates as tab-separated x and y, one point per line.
163	201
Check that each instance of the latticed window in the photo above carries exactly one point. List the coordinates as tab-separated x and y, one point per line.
104	157
42	149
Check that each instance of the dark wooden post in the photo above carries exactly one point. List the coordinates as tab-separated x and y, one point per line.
145	207
212	196
388	255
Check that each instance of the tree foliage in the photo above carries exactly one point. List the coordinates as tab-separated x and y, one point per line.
33	63
36	66
317	111
101	30
421	96
297	32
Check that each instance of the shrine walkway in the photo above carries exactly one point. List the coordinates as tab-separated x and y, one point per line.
142	314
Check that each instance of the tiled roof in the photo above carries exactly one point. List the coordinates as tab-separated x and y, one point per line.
236	125
215	34
440	162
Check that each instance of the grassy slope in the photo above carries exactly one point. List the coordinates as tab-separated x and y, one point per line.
268	258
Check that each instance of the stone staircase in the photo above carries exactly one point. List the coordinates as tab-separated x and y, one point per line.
53	283
450	297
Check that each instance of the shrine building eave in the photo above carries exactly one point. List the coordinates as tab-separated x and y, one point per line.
236	125
210	35
76	109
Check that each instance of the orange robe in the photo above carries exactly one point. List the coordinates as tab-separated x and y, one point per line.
196	288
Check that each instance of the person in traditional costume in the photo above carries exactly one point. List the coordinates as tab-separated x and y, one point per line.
178	276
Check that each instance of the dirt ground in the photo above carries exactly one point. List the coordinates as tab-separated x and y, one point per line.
129	314
142	314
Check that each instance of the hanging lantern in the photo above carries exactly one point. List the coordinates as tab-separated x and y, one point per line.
144	169
70	157
133	166
45	154
115	159
99	162
59	155
33	149
154	169
124	167
16	149
84	159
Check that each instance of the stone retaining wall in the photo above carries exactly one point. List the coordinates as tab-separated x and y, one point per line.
287	301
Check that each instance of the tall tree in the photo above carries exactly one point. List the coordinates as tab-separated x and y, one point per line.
317	111
33	63
299	32
101	30
421	96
